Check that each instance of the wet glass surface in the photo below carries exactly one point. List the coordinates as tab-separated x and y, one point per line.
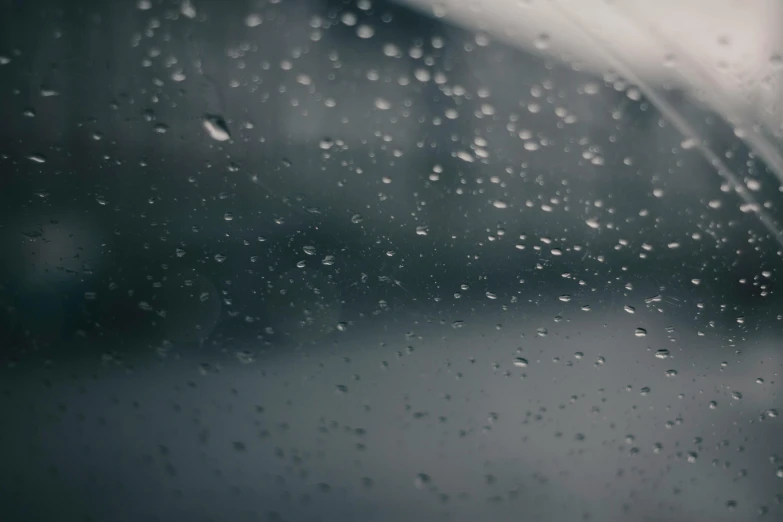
350	261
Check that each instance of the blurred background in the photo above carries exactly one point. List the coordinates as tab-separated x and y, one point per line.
366	260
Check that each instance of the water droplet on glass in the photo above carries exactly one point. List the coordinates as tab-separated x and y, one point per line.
640	332
187	9
216	127
37	158
422	480
520	362
253	20
365	31
542	41
662	353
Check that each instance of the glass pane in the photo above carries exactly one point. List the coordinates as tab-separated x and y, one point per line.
330	260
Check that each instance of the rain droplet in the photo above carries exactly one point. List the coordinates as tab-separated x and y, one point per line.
253	20
365	31
640	332
421	480
542	41
216	127
37	158
662	353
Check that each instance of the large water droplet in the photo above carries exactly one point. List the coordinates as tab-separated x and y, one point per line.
216	127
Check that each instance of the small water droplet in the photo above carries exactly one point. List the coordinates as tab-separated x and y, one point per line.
382	104
365	31
253	20
640	332
520	362
663	353
422	480
37	158
542	41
